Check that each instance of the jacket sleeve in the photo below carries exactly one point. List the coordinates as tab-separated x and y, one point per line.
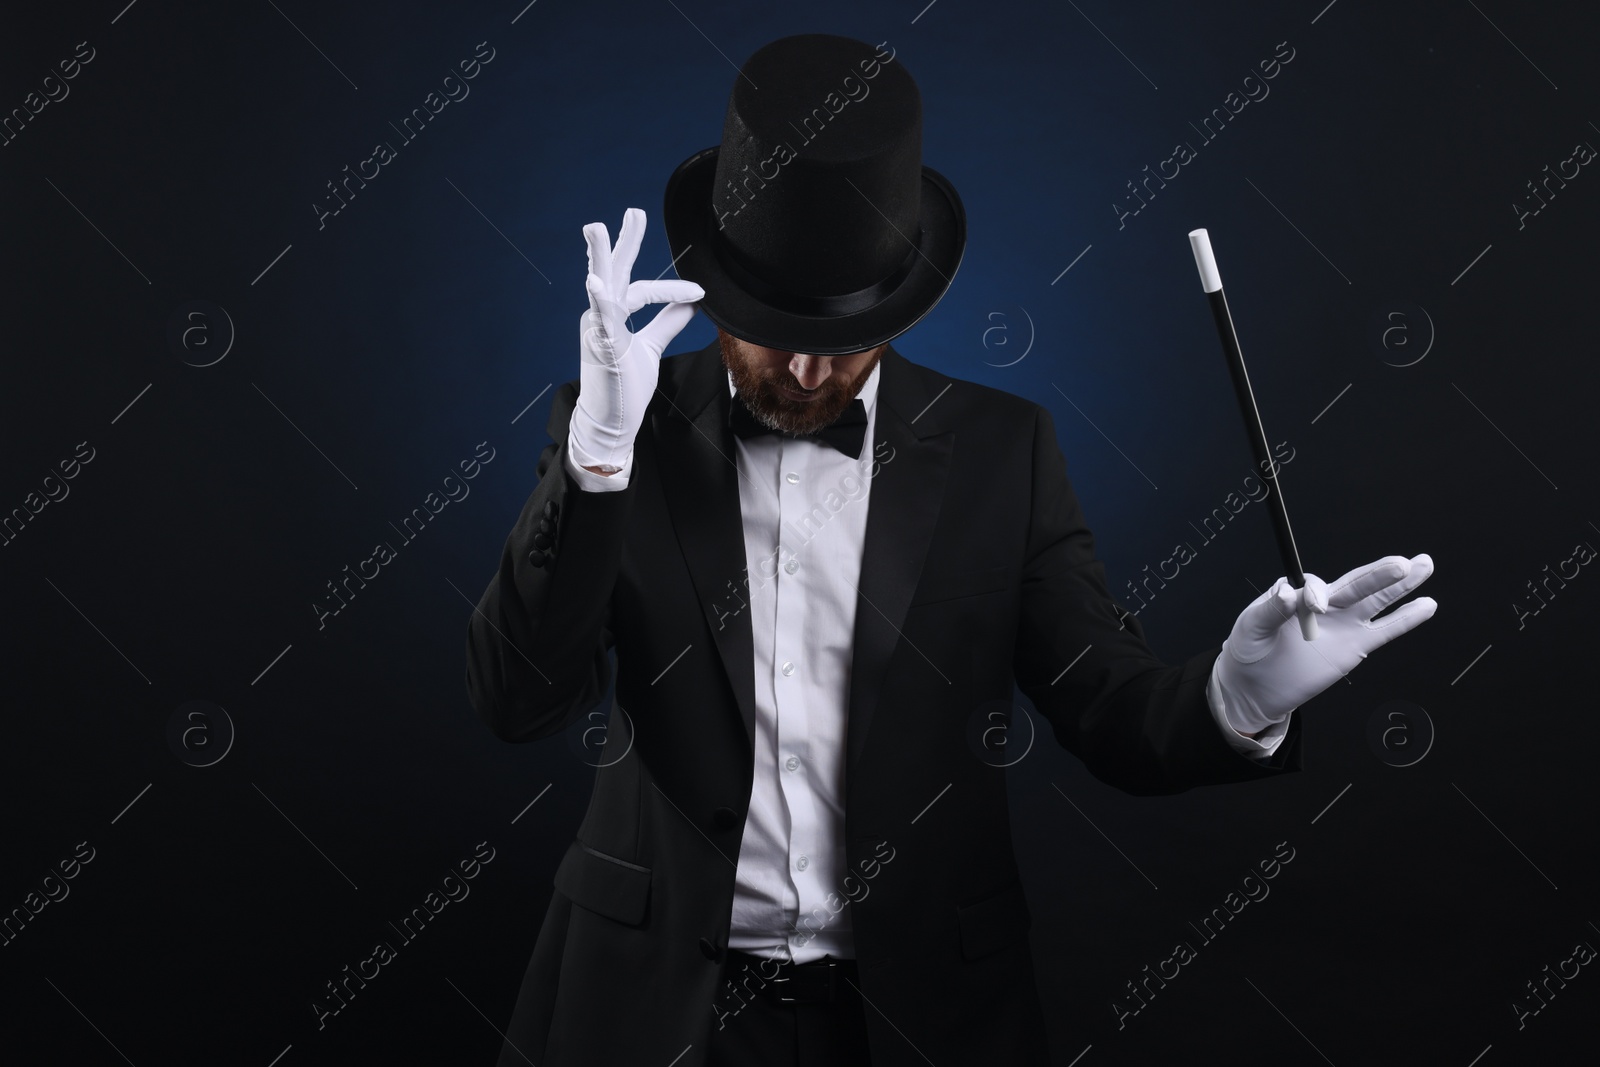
1135	722
539	638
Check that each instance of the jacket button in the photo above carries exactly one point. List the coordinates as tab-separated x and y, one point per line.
725	818
549	508
541	540
536	558
710	951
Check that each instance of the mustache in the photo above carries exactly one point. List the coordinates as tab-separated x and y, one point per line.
829	386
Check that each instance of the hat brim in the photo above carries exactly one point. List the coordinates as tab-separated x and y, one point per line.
692	235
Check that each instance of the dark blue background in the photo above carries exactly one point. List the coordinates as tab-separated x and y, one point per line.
378	351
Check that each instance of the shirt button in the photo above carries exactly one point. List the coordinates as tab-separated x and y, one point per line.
802	863
790	567
793	763
787	668
792	478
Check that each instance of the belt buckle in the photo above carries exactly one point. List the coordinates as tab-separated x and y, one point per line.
832	971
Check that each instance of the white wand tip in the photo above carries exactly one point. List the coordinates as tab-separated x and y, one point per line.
1308	623
1210	277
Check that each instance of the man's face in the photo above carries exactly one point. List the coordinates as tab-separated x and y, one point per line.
792	391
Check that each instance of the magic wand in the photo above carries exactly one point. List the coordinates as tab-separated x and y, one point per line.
1211	282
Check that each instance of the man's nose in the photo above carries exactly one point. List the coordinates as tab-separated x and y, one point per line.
810	371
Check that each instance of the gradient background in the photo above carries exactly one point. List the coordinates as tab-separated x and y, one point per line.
439	309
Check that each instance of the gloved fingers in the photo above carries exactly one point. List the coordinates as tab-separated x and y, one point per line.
664	291
609	314
1356	585
665	326
626	251
1421	566
1401	620
1258	625
599	241
605	331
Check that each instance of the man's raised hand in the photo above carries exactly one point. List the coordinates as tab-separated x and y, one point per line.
619	369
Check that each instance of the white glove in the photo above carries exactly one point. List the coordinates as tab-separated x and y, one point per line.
619	369
1267	669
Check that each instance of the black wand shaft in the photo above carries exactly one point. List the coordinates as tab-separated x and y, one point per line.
1211	282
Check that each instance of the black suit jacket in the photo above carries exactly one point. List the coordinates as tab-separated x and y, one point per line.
978	573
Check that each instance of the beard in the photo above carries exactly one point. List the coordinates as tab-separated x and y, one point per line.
761	395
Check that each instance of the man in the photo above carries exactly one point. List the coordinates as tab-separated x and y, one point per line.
821	567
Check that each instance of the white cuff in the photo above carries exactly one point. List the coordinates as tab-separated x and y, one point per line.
589	481
1263	745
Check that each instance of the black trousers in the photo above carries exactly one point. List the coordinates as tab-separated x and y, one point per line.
754	1028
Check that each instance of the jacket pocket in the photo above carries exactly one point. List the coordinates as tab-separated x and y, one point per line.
994	922
951	585
604	884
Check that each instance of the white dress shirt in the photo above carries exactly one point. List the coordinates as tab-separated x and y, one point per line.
804	506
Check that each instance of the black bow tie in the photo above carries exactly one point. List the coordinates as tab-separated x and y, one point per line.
847	433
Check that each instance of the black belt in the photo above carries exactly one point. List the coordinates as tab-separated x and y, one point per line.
818	982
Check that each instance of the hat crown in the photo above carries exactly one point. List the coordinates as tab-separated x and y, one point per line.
820	163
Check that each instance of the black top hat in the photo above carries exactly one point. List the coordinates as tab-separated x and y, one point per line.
814	227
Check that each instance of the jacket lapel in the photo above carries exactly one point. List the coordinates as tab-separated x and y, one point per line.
700	479
902	509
